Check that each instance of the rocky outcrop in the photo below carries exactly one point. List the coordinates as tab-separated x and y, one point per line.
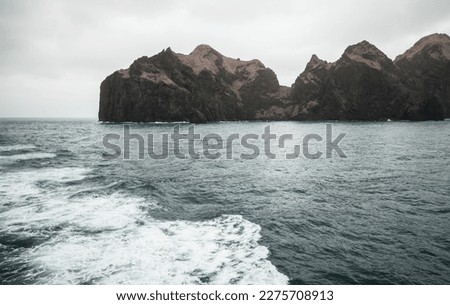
364	84
425	70
199	87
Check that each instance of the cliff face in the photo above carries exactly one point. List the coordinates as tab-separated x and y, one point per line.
199	87
364	84
425	69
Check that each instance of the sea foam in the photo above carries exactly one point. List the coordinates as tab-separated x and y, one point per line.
113	239
28	156
17	147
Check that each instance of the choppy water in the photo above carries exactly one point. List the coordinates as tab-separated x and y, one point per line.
380	216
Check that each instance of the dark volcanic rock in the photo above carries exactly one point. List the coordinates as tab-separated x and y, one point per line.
426	71
199	87
364	84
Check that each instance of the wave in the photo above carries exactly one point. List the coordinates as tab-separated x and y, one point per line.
16	187
17	147
128	250
28	156
113	239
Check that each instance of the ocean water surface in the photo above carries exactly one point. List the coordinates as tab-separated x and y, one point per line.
68	215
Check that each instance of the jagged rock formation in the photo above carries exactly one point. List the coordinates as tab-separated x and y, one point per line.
364	84
199	87
425	68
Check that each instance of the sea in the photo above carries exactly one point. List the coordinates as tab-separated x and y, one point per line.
72	214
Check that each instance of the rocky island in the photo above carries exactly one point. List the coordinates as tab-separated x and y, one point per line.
205	86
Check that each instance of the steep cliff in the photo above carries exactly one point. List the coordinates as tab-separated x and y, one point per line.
425	70
364	84
199	87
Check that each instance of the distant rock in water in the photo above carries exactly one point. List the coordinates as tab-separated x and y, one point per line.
364	84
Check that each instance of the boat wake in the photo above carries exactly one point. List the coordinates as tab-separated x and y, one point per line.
97	238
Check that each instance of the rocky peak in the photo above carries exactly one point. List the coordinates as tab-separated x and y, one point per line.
436	46
366	53
315	62
205	53
364	47
203	49
314	58
204	57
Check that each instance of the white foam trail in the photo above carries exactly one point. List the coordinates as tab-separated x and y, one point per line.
28	156
220	251
112	239
17	187
17	147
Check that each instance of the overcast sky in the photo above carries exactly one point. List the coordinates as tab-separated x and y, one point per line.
54	54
